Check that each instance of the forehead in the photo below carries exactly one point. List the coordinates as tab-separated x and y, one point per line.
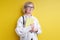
29	5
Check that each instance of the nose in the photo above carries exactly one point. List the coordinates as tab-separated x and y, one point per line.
29	9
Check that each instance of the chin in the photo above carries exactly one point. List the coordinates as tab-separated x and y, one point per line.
29	12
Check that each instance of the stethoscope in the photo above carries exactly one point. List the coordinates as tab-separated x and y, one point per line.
24	24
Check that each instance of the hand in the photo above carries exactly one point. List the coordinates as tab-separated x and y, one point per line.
33	29
32	26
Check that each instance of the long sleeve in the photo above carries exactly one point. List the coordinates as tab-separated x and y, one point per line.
38	26
20	30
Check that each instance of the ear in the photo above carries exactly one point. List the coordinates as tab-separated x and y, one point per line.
23	10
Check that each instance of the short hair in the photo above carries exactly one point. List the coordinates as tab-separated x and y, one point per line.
27	3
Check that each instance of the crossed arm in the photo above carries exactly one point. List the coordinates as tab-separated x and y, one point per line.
20	30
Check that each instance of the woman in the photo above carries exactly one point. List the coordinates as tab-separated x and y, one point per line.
27	25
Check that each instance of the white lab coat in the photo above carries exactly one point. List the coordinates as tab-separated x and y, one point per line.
24	33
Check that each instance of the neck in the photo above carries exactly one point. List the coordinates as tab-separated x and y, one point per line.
28	14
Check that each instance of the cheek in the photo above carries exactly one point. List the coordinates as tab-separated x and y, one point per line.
31	10
28	10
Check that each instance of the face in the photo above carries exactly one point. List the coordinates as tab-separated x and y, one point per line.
29	8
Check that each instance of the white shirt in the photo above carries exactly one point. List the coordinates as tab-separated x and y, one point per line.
24	32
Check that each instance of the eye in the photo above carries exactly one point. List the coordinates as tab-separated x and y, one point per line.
29	7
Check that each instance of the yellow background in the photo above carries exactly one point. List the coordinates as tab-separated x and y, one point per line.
47	12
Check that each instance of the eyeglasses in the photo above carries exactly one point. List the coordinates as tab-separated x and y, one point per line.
28	7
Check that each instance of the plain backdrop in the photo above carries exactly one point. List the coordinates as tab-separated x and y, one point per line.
46	11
